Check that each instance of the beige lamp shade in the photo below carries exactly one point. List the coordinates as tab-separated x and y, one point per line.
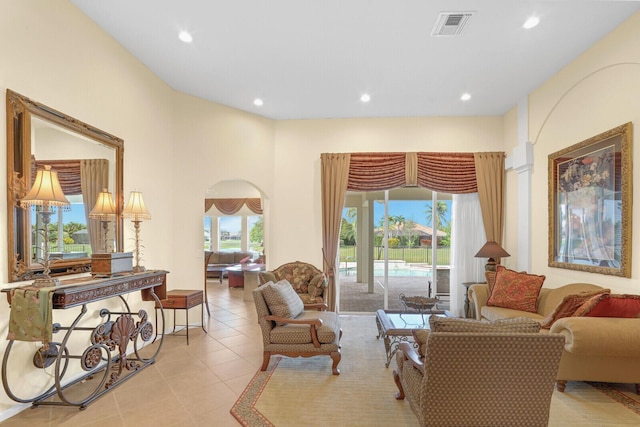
135	208
46	190
105	208
491	250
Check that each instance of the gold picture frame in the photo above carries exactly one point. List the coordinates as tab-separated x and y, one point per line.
590	204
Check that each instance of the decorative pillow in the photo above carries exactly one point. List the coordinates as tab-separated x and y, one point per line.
420	337
267	276
612	305
588	305
244	260
282	300
453	324
569	305
516	290
316	286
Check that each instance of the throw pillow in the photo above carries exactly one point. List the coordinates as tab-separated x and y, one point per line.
267	276
316	286
588	305
282	300
420	337
452	324
244	260
516	290
569	305
612	305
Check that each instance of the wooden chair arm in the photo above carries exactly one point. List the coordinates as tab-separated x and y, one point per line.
314	324
411	355
320	306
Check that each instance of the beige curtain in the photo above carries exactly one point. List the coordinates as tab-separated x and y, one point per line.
94	177
231	206
335	175
490	177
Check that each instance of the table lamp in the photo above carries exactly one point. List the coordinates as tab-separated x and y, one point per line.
104	211
137	211
491	250
45	192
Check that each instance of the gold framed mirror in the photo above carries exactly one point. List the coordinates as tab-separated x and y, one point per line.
39	135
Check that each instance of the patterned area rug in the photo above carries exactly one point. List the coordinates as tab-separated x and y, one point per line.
363	394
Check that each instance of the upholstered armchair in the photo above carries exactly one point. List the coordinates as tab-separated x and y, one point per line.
309	282
486	378
290	330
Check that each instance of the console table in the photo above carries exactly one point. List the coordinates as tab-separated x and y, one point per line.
105	360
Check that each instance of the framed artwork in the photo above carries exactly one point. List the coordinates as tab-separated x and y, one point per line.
590	204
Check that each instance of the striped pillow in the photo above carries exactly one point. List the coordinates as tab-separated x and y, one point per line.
282	300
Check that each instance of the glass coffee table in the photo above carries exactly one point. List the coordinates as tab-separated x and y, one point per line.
394	326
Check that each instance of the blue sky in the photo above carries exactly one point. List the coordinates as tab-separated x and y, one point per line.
413	210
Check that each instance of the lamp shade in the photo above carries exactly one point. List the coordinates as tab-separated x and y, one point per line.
135	208
46	190
492	250
104	208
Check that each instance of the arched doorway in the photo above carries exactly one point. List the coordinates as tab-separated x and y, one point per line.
234	218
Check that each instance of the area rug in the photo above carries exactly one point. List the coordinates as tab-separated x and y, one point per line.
363	394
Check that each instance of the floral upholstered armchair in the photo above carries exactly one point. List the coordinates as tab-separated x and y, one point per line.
309	282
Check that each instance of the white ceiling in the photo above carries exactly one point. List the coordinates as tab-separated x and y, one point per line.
314	58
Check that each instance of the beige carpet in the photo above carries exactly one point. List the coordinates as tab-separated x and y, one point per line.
362	395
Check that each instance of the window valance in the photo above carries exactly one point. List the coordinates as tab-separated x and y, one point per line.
231	206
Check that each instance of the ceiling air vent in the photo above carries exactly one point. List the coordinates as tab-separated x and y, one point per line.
450	23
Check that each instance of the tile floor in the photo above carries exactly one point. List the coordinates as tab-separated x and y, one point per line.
197	385
188	385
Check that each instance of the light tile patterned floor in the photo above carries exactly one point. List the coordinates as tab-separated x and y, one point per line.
198	384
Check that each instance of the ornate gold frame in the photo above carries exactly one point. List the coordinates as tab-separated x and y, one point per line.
20	110
590	204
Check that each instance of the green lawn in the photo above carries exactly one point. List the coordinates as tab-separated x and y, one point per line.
419	255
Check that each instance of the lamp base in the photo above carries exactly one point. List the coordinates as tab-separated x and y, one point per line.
139	269
45	282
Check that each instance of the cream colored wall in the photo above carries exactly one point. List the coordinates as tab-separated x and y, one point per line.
176	146
510	236
296	202
597	92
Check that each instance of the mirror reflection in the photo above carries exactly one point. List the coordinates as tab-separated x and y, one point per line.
88	163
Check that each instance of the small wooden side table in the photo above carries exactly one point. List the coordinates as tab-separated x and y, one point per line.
182	299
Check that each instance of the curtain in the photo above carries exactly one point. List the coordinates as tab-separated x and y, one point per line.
467	236
68	174
94	177
335	173
231	206
490	177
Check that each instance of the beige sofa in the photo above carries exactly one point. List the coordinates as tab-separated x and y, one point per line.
596	348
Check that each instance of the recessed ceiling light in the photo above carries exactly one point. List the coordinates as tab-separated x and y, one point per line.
465	96
531	22
365	98
258	102
185	36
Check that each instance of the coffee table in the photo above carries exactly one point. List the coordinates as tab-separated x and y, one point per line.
394	326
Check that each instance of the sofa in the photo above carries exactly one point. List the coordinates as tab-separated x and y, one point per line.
308	281
217	261
601	349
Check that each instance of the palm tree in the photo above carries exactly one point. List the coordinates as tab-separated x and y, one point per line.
439	220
